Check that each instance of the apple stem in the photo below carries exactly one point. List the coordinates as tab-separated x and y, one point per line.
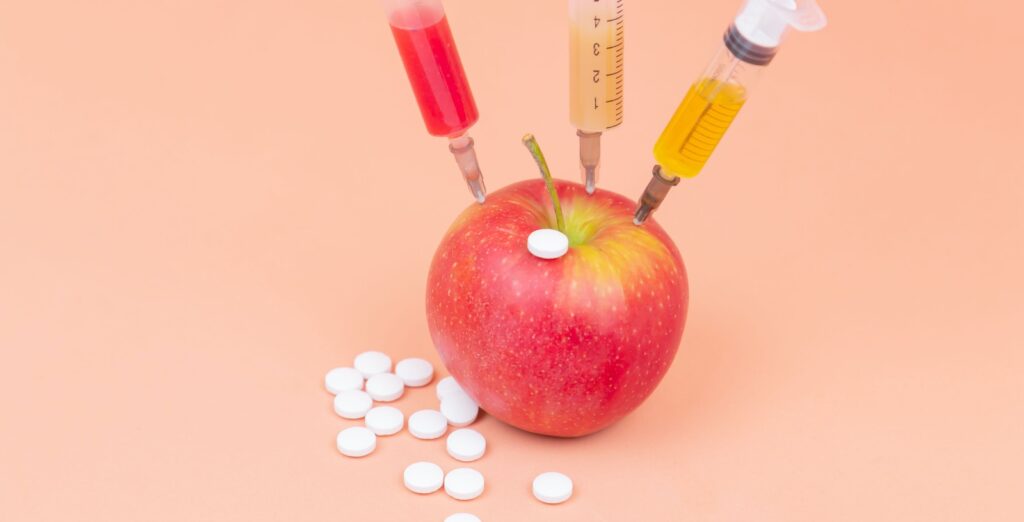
545	172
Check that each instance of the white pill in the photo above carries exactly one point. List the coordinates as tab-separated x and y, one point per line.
466	445
423	477
372	363
385	387
385	420
464	483
446	386
552	487
352	404
427	424
356	442
343	379
462	517
459	409
415	372
547	243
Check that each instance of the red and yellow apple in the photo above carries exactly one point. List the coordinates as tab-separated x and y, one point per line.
565	346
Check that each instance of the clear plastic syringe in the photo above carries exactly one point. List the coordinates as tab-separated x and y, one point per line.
716	97
596	36
438	80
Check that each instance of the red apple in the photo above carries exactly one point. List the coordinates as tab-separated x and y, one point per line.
561	347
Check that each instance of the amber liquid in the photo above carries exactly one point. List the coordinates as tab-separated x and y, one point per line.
697	126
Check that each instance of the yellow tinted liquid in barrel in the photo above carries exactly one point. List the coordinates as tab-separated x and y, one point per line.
697	126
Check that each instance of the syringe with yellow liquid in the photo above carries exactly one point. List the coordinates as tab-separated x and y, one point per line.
716	97
596	38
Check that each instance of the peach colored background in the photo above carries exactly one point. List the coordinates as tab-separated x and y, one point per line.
204	205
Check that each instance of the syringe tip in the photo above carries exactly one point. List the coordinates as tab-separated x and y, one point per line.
590	177
465	157
642	212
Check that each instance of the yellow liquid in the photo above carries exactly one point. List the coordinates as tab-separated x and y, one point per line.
596	37
697	126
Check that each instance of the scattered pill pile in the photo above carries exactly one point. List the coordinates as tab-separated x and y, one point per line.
370	380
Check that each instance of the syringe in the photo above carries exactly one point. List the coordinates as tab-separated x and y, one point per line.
435	72
596	37
716	97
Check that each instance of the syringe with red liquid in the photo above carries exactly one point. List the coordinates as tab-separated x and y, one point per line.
435	72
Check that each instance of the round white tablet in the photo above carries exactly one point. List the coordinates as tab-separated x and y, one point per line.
415	372
352	404
466	445
547	243
462	517
343	379
385	420
552	487
427	424
464	483
385	387
446	386
459	409
356	441
423	477
372	363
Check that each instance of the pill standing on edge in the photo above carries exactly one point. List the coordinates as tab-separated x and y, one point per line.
462	517
459	409
552	487
427	424
343	379
466	445
415	372
464	483
385	387
447	386
385	420
423	477
352	404
356	441
372	363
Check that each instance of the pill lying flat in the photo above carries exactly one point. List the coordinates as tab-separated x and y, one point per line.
466	445
459	409
462	517
385	420
356	441
372	363
343	379
552	487
547	243
385	387
464	483
446	386
427	424
423	477
415	372
352	404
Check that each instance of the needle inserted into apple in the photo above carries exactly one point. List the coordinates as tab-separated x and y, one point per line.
546	243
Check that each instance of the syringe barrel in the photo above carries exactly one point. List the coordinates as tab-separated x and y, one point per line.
596	58
706	112
433	65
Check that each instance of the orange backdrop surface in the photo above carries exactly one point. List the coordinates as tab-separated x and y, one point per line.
205	205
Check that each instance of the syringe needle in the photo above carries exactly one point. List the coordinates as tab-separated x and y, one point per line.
465	156
590	158
654	194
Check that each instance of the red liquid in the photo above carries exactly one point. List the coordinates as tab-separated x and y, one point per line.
435	72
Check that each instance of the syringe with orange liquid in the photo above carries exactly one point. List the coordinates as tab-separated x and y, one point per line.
716	97
596	38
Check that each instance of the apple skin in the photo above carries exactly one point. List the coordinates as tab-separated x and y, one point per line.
561	347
